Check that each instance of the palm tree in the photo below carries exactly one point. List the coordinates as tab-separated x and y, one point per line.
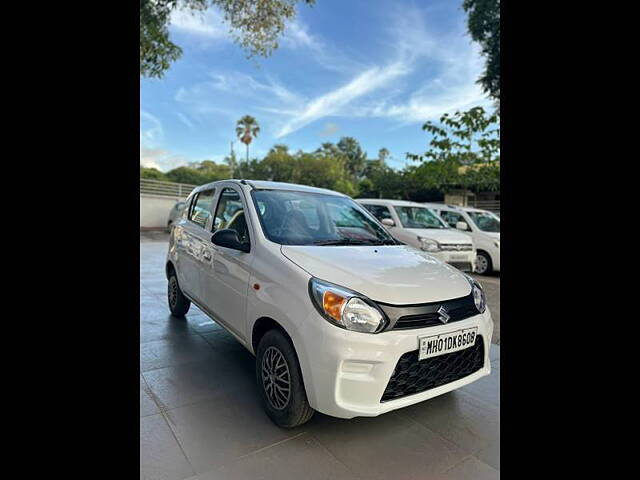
247	129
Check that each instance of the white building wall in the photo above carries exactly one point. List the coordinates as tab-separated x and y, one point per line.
154	210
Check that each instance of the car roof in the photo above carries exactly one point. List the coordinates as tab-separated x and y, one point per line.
456	207
384	201
265	185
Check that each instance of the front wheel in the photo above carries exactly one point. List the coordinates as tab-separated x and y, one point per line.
280	381
483	263
178	303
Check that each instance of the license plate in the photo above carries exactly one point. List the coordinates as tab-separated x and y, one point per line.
435	345
458	257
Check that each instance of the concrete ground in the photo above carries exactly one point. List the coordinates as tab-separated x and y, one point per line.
201	418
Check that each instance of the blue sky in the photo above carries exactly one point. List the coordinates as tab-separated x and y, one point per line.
373	70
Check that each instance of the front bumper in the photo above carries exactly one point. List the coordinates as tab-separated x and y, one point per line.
462	260
348	372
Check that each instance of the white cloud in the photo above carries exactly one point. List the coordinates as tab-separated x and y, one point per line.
423	74
161	159
296	35
331	103
183	118
206	24
151	131
221	95
329	129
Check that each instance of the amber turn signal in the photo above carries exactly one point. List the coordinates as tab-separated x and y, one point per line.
332	304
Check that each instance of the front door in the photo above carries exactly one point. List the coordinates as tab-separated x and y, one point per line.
225	276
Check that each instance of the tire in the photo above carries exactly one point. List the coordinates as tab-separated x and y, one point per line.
178	303
276	353
483	264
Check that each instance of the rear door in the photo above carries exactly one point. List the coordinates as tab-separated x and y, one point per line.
193	237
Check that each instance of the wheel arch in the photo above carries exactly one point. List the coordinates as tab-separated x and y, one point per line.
169	268
261	326
265	323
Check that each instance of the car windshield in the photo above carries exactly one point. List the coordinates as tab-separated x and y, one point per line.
303	218
419	217
485	221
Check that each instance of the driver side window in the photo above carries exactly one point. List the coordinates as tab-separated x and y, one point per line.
230	214
451	218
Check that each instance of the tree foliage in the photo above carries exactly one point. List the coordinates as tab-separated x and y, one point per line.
484	27
356	158
464	152
255	25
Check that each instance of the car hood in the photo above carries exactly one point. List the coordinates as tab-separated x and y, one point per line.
495	235
398	275
442	235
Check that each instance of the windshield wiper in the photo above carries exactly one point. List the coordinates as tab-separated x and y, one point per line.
352	241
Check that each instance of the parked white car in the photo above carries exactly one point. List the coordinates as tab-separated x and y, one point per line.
416	225
484	227
340	317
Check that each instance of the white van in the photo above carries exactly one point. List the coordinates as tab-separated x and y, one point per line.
421	227
484	227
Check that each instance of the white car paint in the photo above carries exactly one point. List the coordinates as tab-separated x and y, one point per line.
450	241
345	372
488	242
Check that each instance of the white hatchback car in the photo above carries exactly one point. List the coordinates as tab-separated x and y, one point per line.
416	225
484	227
340	317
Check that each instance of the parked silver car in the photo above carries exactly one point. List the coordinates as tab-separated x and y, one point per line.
175	213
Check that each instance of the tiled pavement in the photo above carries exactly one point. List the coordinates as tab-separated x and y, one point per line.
201	419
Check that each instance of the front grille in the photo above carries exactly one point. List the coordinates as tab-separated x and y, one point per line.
426	315
456	247
412	376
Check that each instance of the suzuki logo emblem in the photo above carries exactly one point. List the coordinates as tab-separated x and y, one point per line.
443	315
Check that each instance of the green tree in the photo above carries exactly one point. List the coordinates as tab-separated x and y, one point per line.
484	27
152	173
199	173
383	154
464	152
464	137
278	165
356	158
247	129
255	25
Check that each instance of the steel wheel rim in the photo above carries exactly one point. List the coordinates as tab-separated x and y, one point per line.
276	380
173	291
481	264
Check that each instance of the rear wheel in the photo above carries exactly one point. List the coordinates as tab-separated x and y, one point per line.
178	303
483	263
280	381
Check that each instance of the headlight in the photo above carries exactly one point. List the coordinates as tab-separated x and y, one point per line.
479	298
345	308
429	245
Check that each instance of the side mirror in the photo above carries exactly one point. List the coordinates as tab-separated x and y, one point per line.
388	222
462	226
229	239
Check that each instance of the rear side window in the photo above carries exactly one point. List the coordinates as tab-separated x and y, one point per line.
379	211
201	207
